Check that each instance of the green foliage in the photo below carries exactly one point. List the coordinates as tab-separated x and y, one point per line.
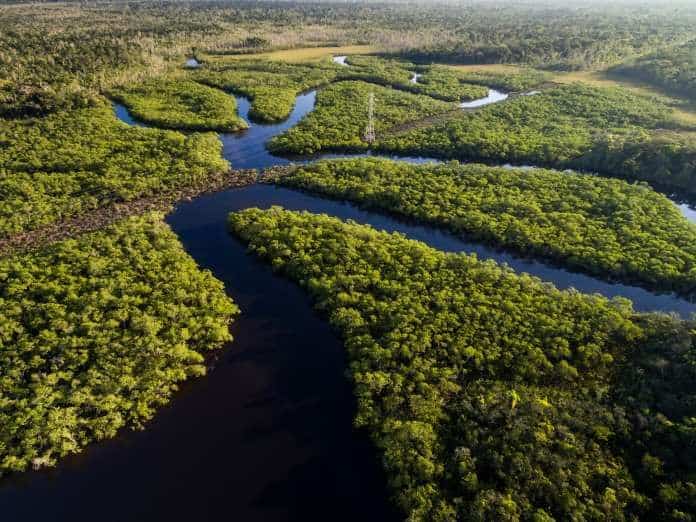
271	86
95	334
374	69
560	37
606	227
536	453
99	45
340	117
446	84
665	159
519	80
24	101
180	104
73	161
491	395
672	68
438	82
560	127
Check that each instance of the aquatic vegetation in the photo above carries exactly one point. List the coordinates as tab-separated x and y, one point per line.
181	104
95	334
606	227
609	130
338	122
491	395
73	161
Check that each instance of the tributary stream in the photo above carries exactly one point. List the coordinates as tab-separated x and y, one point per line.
267	435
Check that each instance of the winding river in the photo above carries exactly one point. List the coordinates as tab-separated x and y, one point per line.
494	96
267	435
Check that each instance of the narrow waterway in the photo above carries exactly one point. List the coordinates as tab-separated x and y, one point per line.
124	115
265	196
247	149
267	435
688	211
493	96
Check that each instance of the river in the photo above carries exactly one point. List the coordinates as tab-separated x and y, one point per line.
267	434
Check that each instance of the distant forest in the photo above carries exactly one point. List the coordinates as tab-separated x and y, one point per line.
57	55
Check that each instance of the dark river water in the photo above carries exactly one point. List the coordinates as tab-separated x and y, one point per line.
267	435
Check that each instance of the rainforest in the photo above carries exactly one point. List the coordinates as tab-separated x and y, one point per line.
312	260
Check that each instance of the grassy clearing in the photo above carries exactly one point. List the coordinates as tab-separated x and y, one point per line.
302	54
684	111
497	68
603	79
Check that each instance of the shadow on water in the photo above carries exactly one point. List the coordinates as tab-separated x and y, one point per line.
267	435
247	149
217	206
124	115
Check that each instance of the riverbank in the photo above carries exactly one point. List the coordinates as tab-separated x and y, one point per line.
279	397
108	215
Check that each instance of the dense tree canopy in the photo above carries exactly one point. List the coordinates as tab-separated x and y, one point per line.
95	334
181	104
435	81
491	395
72	161
606	227
338	122
564	37
64	52
672	68
271	86
609	130
517	80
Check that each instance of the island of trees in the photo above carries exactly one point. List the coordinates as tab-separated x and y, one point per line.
96	333
183	105
606	227
492	395
489	395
